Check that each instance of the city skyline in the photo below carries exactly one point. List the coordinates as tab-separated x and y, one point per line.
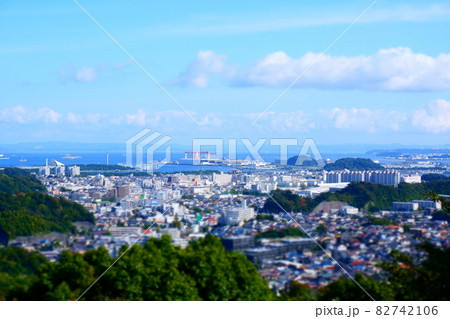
385	81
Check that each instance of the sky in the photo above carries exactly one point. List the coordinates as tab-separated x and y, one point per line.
209	69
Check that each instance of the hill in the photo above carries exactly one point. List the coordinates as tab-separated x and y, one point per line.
368	196
25	210
15	180
353	164
434	177
301	160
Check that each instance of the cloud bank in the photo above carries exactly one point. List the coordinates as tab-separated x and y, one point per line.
433	118
394	69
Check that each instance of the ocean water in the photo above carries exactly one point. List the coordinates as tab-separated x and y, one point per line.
39	158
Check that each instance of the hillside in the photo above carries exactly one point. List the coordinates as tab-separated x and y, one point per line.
434	177
15	180
353	164
301	160
26	211
368	196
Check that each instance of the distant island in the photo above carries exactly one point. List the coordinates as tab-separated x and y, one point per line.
301	160
353	164
402	151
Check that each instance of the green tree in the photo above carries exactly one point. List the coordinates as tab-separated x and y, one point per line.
419	280
444	201
298	292
345	289
221	275
176	222
321	229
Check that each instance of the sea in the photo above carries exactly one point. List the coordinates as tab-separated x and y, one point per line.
33	159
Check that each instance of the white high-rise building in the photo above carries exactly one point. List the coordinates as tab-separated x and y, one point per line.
73	170
379	177
237	215
44	171
222	179
60	170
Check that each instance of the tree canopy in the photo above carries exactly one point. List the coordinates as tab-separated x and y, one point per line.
19	181
204	270
353	164
26	210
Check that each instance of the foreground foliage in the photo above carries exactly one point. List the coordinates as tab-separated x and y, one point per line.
156	271
203	271
404	279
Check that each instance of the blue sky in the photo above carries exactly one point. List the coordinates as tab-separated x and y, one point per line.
386	81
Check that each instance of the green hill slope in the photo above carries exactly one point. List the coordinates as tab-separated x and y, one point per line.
353	164
26	211
364	195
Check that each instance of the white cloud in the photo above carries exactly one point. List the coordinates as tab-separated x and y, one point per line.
21	115
433	117
73	118
48	115
199	71
294	122
88	74
361	119
137	118
395	69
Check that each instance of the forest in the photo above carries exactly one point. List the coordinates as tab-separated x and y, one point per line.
26	210
353	164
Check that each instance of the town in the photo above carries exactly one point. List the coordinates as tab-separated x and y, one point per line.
314	247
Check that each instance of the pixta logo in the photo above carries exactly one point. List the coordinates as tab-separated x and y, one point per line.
148	142
309	151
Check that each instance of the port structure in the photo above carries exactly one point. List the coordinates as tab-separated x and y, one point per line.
203	157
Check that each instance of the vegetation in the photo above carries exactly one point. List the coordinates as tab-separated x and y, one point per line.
156	271
353	164
381	221
368	196
264	217
288	201
203	271
443	200
302	161
251	192
176	222
434	177
405	279
14	180
322	229
281	233
25	210
35	213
